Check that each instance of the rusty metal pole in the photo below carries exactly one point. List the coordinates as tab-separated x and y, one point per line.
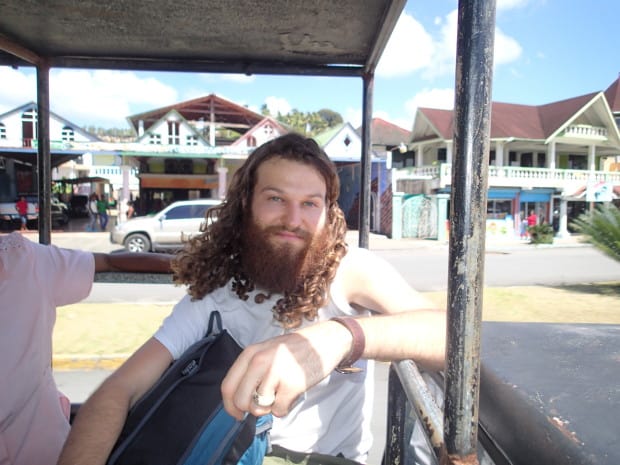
474	66
44	159
364	198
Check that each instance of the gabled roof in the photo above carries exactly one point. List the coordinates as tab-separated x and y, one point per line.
509	120
20	109
386	134
266	120
439	123
338	145
326	136
225	113
554	115
180	119
519	121
33	106
612	94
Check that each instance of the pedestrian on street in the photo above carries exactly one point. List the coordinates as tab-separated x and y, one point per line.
93	212
22	210
102	210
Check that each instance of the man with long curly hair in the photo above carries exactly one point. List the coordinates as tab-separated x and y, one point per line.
273	260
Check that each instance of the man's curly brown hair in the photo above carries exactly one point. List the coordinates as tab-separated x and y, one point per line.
212	258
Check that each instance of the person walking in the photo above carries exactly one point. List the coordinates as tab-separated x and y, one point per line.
92	212
102	210
22	210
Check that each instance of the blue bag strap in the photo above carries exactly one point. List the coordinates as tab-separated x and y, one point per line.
215	323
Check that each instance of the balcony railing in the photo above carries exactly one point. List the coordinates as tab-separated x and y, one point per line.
440	176
585	130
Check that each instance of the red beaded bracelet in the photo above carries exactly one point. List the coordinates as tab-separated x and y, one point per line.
357	346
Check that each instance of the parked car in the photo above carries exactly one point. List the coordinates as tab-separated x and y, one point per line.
60	213
166	230
78	206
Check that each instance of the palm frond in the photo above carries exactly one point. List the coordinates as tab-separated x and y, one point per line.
601	228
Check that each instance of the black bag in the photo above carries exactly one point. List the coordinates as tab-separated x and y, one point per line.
181	420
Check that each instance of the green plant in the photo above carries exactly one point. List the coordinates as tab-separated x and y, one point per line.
541	234
601	228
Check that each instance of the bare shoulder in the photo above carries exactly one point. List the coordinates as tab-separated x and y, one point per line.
370	281
361	263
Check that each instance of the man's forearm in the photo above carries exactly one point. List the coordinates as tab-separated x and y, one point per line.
419	335
95	429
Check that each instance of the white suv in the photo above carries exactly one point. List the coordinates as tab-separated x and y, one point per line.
166	230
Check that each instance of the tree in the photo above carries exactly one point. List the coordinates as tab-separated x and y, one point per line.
602	229
311	123
331	117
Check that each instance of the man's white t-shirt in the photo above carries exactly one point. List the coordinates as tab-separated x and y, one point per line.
332	417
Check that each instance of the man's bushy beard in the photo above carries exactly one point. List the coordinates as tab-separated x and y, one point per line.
280	268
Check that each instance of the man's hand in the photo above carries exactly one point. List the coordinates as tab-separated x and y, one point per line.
284	367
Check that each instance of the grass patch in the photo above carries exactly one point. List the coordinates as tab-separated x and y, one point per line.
105	329
583	303
96	335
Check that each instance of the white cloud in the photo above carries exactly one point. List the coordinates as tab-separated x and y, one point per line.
278	105
100	97
239	78
412	49
105	97
510	4
17	88
431	98
444	58
409	49
507	49
353	116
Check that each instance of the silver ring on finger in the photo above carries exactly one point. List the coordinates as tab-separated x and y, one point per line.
263	400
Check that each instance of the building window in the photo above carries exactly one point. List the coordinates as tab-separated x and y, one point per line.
173	133
577	162
498	209
155	139
191	140
527	160
251	141
442	155
2	131
512	159
68	135
29	127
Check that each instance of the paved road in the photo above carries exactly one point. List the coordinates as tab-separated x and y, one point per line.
427	270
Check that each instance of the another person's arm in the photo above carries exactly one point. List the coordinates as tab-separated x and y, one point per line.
133	262
100	420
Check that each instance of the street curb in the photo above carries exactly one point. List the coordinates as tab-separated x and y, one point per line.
69	362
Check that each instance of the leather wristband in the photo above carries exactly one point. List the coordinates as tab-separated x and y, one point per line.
357	346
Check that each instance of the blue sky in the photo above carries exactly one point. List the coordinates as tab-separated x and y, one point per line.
545	51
